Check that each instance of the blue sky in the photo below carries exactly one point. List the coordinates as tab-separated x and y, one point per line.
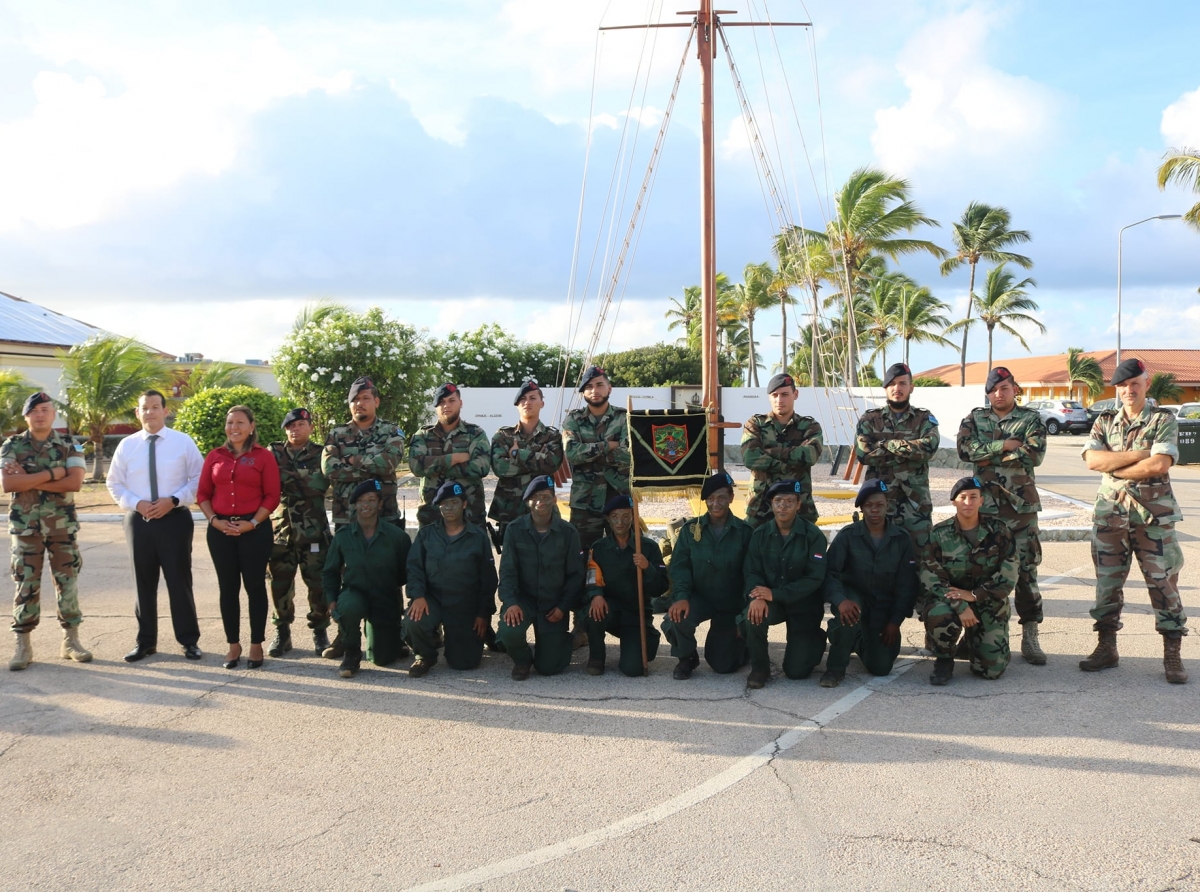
192	176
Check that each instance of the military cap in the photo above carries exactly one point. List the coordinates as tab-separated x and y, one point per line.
593	371
616	503
719	480
448	490
780	380
529	386
895	371
536	485
295	415
1130	368
995	376
363	488
784	488
444	391
868	489
359	385
964	483
35	399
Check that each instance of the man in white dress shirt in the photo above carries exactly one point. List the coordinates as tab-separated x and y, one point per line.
154	476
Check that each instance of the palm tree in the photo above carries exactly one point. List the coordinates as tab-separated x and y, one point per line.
1084	370
1001	305
102	379
1182	166
13	391
685	315
214	374
982	234
921	318
883	304
809	262
744	302
873	209
318	311
1163	388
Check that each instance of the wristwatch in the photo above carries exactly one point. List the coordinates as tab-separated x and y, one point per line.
253	523
175	499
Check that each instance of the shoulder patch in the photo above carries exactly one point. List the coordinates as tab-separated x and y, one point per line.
933	418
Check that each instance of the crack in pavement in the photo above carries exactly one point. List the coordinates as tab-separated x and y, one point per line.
196	704
328	829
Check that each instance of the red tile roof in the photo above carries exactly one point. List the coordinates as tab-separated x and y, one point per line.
1033	371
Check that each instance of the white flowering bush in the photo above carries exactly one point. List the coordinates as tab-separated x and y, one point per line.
316	365
491	357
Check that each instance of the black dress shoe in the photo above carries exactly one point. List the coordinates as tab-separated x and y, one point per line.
139	652
191	651
254	664
231	664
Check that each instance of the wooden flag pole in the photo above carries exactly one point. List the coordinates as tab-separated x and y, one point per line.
637	550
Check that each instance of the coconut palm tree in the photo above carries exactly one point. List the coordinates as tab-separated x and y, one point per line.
745	301
1182	166
13	391
1163	388
811	265
1084	370
982	234
1001	305
318	311
685	314
883	304
207	375
921	318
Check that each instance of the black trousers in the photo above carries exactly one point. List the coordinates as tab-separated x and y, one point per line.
163	545
242	561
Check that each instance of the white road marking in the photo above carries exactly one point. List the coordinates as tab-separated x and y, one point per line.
1072	574
714	785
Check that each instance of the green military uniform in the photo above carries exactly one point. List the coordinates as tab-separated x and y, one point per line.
429	457
597	474
457	578
611	574
539	572
1009	489
896	447
301	533
707	572
881	578
366	580
1136	519
41	522
353	455
984	562
793	568
516	460
775	451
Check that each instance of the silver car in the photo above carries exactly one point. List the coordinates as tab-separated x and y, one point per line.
1062	415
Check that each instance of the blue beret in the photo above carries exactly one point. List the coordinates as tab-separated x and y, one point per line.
448	490
784	488
965	483
35	400
537	484
868	489
365	487
719	480
616	503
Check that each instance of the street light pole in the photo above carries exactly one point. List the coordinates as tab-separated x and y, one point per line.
1120	236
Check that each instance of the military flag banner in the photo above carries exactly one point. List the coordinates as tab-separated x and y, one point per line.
668	448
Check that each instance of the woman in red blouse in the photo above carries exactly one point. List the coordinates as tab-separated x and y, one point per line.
239	488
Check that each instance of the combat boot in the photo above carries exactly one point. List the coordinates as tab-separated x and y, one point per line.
943	671
320	641
1172	662
24	655
72	649
335	651
350	664
282	642
1105	655
1031	648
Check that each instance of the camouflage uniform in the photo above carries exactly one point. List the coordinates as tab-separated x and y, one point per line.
40	522
896	447
429	453
984	562
516	461
1009	489
301	534
1136	518
774	451
596	473
353	455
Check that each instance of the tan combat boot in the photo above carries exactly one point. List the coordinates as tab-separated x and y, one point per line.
72	649
24	655
1031	648
1172	662
1104	656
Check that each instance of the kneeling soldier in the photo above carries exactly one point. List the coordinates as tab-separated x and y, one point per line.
784	571
968	570
364	580
452	584
706	568
541	582
871	585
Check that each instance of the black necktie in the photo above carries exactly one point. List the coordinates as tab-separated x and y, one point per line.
153	469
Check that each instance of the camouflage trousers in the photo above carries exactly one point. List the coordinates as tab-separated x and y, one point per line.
28	556
1027	597
906	514
1115	542
281	570
987	640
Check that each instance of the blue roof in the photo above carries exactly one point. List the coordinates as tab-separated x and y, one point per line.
27	323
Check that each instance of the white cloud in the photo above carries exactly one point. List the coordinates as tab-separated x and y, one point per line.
1181	121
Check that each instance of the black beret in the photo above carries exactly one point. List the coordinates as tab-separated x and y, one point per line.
35	399
616	503
444	391
719	480
780	380
868	489
529	386
964	483
448	490
784	488
895	371
995	376
537	484
1130	368
359	385
363	488
295	415
593	371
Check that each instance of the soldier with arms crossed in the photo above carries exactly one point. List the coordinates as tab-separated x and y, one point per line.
450	449
521	452
780	446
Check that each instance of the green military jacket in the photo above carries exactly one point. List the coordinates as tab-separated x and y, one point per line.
352	456
516	460
883	581
703	566
35	511
1153	430
985	566
1008	482
460	575
594	469
793	568
611	573
376	569
300	518
429	456
775	451
896	448
540	572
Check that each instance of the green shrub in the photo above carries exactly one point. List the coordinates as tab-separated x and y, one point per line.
929	381
202	416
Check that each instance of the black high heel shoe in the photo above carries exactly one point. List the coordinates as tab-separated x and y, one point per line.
232	664
254	664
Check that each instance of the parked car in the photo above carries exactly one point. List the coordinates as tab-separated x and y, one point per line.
1188	410
1099	406
1063	415
1173	409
